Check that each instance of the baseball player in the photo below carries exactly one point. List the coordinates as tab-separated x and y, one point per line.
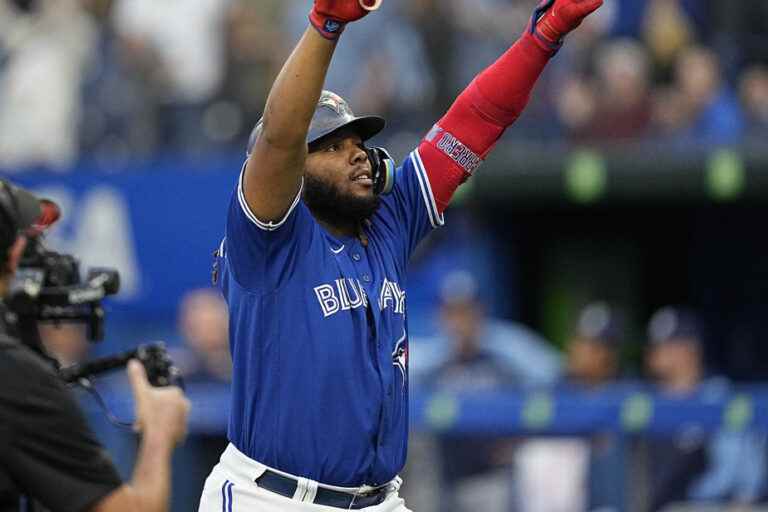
313	267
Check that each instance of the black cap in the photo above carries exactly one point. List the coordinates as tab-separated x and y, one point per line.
674	324
331	114
21	211
602	323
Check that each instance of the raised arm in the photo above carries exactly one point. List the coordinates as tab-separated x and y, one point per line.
461	140
275	166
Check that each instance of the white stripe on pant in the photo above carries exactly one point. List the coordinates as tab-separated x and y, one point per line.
231	487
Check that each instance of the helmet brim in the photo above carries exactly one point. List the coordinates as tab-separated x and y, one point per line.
365	127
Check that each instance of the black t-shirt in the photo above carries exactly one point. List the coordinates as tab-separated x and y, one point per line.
47	450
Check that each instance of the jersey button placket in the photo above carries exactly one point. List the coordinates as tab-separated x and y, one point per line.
364	274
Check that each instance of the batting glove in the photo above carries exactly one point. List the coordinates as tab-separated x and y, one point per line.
330	17
553	19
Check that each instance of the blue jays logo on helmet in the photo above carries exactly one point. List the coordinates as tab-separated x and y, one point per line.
400	356
334	101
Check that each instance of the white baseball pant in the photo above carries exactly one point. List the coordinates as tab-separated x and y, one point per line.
231	487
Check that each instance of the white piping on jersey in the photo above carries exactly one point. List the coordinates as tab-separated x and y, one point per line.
266	226
435	217
337	251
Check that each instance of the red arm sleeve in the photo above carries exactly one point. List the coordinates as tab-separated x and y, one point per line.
461	140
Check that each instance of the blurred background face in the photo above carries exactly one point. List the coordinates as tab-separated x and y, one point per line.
675	363
670	110
463	322
204	321
590	361
698	75
577	103
622	69
754	93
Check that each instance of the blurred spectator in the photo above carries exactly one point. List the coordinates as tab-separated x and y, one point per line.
515	355
430	18
729	467
667	30
594	351
256	49
203	325
66	342
192	76
616	107
754	97
475	469
187	39
594	361
119	105
576	106
46	49
668	113
711	109
574	474
483	30
674	357
389	74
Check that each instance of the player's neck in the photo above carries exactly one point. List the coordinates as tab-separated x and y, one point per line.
344	229
338	228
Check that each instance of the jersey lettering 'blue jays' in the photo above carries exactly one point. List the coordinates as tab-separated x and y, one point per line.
319	336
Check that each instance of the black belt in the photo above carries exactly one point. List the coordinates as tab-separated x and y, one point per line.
286	486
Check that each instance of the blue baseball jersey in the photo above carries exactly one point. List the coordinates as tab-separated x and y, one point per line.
319	335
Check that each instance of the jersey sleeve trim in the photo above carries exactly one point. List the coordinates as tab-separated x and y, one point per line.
266	226
435	217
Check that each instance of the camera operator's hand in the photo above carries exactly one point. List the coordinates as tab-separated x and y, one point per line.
161	417
158	410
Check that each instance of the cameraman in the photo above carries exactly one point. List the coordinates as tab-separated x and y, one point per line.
48	454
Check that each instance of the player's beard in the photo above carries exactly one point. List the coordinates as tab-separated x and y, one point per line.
326	201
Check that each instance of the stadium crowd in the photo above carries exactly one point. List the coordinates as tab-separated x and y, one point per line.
119	80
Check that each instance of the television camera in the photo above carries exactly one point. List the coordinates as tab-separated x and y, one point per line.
48	288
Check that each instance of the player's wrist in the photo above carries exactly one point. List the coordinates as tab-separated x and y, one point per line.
544	40
552	20
330	17
327	26
541	28
158	439
551	34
